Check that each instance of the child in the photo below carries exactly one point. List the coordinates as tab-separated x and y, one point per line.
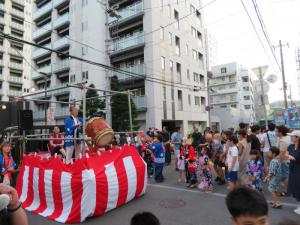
274	176
148	157
255	170
159	158
205	171
7	163
247	206
232	162
192	164
181	162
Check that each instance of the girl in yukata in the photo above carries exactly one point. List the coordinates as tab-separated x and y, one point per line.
255	170
205	168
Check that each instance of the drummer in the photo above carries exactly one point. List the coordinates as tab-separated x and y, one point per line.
73	129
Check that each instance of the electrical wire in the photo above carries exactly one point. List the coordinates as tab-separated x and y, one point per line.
166	83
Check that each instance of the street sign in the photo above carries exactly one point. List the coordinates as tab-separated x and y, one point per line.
294	118
260	69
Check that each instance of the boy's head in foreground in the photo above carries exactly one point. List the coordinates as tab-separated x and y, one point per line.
247	207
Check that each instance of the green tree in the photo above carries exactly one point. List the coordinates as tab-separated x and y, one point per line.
93	106
120	110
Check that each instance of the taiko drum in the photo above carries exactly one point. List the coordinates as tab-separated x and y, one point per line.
100	131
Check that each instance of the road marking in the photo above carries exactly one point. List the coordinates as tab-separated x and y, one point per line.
209	193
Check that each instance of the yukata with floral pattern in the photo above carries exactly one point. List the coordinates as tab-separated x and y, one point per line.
205	173
275	175
255	168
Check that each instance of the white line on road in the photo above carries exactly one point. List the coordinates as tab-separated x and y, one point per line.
209	193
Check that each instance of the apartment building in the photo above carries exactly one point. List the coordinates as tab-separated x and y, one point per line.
231	94
150	38
72	27
211	50
15	72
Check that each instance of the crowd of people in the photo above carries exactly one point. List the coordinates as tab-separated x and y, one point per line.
248	157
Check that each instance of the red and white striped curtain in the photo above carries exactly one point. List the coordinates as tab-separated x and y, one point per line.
89	187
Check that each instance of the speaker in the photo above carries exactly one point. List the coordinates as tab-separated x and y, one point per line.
25	120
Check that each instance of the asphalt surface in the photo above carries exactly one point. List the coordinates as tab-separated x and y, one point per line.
174	204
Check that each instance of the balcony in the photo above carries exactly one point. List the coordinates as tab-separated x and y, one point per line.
39	52
14	51
41	31
128	13
57	3
61	43
17	13
38	75
62	65
14	93
2	8
2	21
17	26
16	66
64	91
137	69
136	40
1	77
1	48
42	11
1	93
38	115
19	2
1	63
18	80
140	102
62	20
62	112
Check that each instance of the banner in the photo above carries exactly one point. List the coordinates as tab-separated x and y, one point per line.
293	118
90	187
280	117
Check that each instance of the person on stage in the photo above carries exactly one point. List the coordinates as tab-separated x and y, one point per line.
73	129
57	146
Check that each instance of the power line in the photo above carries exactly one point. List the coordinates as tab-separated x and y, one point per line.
263	27
154	80
256	32
169	24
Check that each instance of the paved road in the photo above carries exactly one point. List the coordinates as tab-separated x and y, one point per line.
176	205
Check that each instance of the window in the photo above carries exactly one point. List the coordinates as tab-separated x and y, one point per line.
247	106
189	99
196	78
246	88
85	75
223	106
180	103
187	49
171	66
170	38
198	15
202	80
172	94
162	4
194	32
197	100
223	70
169	11
245	79
162	33
177	45
233	106
178	70
192	9
188	74
72	78
203	104
199	36
165	93
162	62
84	25
84	50
194	54
176	17
247	97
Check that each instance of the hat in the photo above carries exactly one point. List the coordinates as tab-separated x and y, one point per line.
294	133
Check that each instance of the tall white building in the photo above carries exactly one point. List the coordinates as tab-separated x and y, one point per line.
15	72
211	50
76	28
232	95
148	38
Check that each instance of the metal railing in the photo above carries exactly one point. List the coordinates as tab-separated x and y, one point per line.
62	65
20	2
64	111
43	10
2	20
2	7
127	12
18	13
58	2
38	52
138	69
127	42
61	20
14	93
60	43
14	65
139	101
15	79
45	69
17	26
42	31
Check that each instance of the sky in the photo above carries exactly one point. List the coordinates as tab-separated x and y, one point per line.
228	23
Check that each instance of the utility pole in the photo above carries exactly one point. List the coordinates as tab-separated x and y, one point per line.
284	86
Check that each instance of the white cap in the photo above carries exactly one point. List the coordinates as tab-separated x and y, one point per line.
294	133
